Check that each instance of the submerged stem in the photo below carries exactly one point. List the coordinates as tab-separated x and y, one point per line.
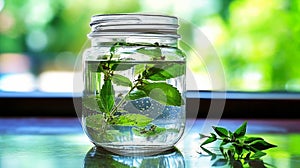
114	110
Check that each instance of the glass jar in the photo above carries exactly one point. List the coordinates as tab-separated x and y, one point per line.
134	83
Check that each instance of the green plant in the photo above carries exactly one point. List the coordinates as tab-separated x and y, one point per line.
149	81
237	149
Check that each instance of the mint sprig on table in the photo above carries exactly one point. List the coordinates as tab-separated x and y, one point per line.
237	149
150	81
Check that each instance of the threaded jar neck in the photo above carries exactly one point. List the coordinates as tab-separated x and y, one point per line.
146	25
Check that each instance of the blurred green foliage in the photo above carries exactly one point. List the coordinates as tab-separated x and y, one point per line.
258	41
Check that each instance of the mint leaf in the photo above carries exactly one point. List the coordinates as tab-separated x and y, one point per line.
202	136
241	131
113	49
159	73
102	105
208	151
209	140
251	139
237	149
107	93
118	66
225	142
258	155
136	94
121	80
261	145
91	103
151	51
139	68
163	93
131	120
179	52
94	121
222	132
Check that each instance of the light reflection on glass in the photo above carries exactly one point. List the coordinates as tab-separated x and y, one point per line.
99	157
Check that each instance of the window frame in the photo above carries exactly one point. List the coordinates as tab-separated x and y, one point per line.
257	105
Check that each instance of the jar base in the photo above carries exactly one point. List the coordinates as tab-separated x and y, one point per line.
140	150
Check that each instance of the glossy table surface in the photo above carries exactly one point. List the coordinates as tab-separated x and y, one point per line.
60	142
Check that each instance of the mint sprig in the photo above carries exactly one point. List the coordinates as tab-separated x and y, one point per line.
237	149
150	82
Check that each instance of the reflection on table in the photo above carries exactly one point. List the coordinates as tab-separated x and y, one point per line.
60	142
99	157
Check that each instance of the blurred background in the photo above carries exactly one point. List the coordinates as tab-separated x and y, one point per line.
258	42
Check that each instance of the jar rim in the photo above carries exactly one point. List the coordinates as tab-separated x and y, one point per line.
133	23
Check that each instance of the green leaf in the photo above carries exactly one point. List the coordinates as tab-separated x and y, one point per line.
202	136
213	135
248	155
251	139
261	145
121	80
151	51
258	155
230	134
118	66
241	131
180	52
163	93
138	69
222	150
101	104
225	142
159	73
94	121
209	140
207	151
131	120
238	148
107	94
222	132
91	103
136	94
113	49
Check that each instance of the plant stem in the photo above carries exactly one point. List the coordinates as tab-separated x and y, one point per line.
114	110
